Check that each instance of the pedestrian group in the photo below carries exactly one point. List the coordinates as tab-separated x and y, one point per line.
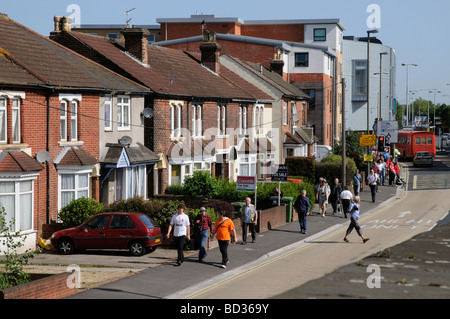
342	200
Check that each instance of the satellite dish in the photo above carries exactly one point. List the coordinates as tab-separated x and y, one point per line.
125	140
43	156
147	113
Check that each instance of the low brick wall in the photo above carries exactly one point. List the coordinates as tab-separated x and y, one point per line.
272	218
49	287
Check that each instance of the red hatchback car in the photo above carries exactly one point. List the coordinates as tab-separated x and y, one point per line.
133	231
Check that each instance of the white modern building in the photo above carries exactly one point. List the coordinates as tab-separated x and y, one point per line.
355	74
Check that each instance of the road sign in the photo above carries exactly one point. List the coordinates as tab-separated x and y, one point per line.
281	175
246	183
388	129
368	140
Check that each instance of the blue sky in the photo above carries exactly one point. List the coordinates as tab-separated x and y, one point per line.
415	29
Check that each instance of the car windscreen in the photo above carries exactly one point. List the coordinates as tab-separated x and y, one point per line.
148	221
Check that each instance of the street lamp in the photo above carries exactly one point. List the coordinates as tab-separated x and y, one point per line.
407	84
381	60
368	77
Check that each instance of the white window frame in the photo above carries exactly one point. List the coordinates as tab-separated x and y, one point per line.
258	117
243	118
3	119
17	214
175	118
74	120
221	119
108	116
77	188
197	129
63	120
16	120
123	116
248	161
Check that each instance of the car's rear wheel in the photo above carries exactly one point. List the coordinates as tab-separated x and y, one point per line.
137	248
66	246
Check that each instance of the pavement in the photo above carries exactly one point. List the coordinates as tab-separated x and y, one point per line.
156	276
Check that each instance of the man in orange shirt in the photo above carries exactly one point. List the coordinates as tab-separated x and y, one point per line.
223	229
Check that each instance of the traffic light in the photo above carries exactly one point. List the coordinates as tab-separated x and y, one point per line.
381	145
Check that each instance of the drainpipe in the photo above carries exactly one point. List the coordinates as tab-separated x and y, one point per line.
47	166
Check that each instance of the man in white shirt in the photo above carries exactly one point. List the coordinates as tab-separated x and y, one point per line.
346	197
181	231
372	181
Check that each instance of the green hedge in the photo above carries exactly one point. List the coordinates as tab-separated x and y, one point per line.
302	166
331	168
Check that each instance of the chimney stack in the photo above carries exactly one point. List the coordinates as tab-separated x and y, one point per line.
276	65
136	43
61	24
210	50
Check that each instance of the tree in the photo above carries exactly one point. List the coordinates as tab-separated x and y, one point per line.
352	148
445	117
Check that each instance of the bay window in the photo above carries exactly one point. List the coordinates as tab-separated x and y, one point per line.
72	186
16	196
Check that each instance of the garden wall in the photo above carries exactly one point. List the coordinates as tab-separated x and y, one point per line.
48	287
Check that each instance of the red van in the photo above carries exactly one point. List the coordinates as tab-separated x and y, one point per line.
133	231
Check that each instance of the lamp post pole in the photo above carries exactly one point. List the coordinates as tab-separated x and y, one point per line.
407	84
368	91
379	107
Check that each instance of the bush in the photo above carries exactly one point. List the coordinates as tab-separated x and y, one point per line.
13	274
199	184
80	210
289	189
221	206
331	168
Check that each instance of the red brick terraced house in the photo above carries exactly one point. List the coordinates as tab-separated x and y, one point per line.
49	126
202	112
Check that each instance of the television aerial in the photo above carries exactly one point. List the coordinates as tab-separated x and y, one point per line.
127	21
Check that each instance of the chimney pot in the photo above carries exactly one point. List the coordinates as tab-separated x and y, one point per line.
57	20
66	24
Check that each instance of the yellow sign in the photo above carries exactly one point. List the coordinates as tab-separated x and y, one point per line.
368	158
368	140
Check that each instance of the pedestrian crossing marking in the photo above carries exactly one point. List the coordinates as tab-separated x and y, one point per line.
436	181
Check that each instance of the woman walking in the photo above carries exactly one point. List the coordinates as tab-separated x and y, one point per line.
223	228
354	216
322	194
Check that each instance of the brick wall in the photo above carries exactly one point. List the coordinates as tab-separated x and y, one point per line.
50	287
